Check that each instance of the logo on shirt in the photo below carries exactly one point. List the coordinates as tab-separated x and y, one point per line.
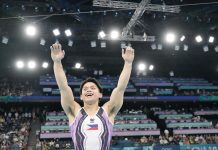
92	126
92	120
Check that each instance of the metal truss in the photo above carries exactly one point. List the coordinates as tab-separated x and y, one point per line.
140	8
131	5
130	38
137	14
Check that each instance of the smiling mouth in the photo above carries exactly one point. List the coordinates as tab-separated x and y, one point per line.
89	95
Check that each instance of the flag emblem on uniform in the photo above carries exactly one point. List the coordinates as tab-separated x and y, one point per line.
92	126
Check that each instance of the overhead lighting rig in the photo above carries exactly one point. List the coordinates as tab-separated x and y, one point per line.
140	8
132	5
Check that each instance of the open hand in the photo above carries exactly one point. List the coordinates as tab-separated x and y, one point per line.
57	54
128	54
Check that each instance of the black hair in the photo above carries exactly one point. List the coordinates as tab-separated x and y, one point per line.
93	80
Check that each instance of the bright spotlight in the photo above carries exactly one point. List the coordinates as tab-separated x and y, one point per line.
19	64
102	34
177	47
182	38
103	44
171	73
77	65
141	67
4	40
159	46
211	39
30	30
185	47
56	32
31	64
153	46
198	38
93	44
68	32
206	48
44	65
114	34
170	37
70	43
151	67
42	41
216	49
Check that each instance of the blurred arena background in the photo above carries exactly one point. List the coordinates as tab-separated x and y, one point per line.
171	99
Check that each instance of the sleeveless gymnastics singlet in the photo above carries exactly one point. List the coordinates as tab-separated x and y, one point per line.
91	133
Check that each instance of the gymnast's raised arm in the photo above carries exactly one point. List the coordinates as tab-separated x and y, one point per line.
68	103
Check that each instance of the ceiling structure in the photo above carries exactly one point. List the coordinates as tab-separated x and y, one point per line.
188	17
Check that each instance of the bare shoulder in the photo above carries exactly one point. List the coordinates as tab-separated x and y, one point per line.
76	110
109	111
106	108
71	108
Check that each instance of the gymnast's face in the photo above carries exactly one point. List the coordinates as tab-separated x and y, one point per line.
90	93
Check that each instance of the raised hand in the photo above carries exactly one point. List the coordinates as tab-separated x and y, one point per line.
128	54
57	54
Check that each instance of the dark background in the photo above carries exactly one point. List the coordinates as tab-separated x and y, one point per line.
85	25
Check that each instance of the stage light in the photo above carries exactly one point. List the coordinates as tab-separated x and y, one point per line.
153	46
142	67
31	64
103	44
68	32
101	34
205	48
36	9
51	9
30	30
198	38
159	46
116	14
145	36
56	32
70	43
44	65
170	37
77	65
151	67
95	72
63	10
4	40
216	49
114	35
23	7
19	64
185	47
171	73
42	41
100	72
211	39
182	38
93	43
177	47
